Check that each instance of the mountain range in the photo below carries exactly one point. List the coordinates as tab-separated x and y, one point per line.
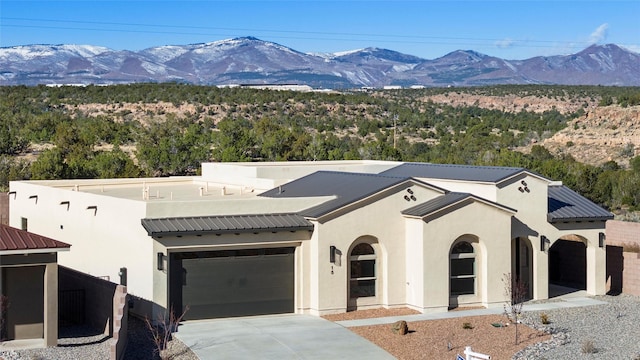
249	60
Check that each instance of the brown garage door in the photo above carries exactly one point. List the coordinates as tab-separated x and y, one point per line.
233	282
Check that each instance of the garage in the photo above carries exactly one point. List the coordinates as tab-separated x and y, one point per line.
230	283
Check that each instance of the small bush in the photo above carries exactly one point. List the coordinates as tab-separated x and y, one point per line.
631	247
467	325
588	347
544	318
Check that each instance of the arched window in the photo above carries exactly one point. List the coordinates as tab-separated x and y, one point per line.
362	280
462	269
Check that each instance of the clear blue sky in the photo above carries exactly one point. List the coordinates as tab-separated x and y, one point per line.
429	29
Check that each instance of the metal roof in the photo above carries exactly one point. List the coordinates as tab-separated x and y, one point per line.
491	174
16	240
566	205
225	224
345	188
446	200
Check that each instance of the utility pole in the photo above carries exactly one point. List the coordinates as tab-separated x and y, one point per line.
395	121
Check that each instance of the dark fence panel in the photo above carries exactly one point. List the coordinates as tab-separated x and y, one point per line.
71	307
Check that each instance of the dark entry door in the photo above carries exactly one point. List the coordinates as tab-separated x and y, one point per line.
230	283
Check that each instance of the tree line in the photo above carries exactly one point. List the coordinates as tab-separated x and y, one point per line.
260	125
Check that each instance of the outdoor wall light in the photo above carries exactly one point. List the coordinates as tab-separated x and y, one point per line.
160	264
332	254
123	276
601	239
544	243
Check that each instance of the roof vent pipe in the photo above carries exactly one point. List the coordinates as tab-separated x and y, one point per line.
224	190
201	191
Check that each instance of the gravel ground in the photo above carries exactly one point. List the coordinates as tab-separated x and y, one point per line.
84	343
612	330
78	342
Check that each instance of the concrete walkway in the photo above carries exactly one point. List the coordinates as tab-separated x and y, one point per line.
570	301
276	337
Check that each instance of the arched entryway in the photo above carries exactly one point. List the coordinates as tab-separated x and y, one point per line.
522	264
567	265
364	273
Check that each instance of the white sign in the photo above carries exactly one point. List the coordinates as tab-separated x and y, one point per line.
474	355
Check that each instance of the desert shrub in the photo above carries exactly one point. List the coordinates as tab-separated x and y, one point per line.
544	318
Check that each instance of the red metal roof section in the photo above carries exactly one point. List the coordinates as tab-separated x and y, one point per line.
16	239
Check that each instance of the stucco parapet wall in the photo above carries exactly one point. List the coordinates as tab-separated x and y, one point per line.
150	189
231	206
272	174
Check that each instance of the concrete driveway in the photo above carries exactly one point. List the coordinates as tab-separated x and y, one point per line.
288	336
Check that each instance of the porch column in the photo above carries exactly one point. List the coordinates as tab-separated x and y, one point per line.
596	268
51	304
540	270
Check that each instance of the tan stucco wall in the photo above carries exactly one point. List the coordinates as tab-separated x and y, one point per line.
102	241
380	222
491	227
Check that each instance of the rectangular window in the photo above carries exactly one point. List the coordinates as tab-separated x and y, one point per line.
463	286
462	267
363	278
24	224
363	288
363	269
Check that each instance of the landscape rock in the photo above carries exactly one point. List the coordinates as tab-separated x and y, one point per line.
400	327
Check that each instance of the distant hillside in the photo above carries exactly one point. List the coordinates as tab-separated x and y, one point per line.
252	61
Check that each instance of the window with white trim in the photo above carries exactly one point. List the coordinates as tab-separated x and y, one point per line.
462	269
362	279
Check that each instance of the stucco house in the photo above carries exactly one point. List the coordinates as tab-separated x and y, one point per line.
29	284
322	237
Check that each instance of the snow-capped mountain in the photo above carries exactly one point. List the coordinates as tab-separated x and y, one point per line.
249	60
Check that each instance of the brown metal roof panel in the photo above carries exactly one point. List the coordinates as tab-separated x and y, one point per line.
16	239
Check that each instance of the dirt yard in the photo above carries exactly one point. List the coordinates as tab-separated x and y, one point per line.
443	339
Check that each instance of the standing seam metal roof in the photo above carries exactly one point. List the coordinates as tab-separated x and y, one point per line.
443	201
491	174
345	187
16	239
565	204
225	224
